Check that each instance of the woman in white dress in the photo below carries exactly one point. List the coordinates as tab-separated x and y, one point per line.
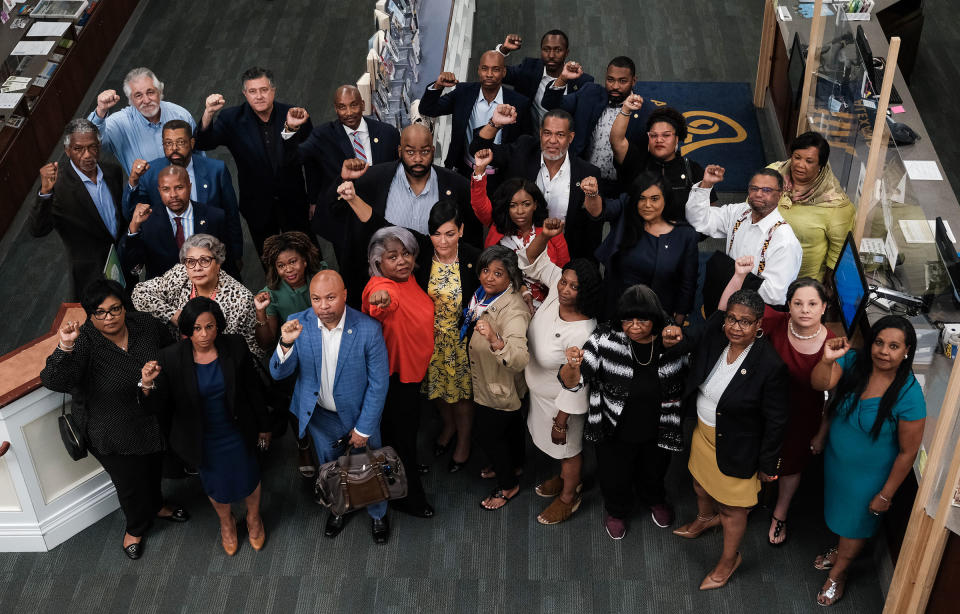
565	319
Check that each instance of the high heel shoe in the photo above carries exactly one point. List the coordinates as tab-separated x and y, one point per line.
257	542
709	523
710	583
230	545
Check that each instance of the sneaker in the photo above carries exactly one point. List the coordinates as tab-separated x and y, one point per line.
662	515
616	528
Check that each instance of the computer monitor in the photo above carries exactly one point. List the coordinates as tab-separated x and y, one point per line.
948	255
875	77
796	68
850	286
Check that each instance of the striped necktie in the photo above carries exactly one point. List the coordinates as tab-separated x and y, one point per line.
358	146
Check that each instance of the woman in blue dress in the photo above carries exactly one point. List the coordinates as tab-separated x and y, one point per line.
876	421
209	387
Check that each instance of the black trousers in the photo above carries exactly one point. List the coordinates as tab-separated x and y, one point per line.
500	434
624	467
137	480
399	428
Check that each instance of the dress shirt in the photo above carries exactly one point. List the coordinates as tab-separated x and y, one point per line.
481	115
193	180
129	135
536	107
100	194
186	220
266	128
601	152
328	361
555	190
412	211
364	135
782	257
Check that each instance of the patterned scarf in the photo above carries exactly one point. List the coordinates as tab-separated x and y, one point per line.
479	303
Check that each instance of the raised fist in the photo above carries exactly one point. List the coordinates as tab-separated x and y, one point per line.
352	169
743	265
504	115
571	71
380	298
511	43
346	191
48	177
105	100
215	102
446	79
834	348
149	373
290	331
140	215
69	331
712	175
261	301
481	160
552	226
633	102
590	186
137	169
671	335
296	117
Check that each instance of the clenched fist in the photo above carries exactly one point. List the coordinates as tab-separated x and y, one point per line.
633	103
380	298
346	191
574	357
446	79
504	115
352	169
552	226
511	43
671	336
105	100
214	102
571	72
296	117
261	301
149	373
137	169
290	331
48	177
140	215
590	186
481	160
712	175
69	332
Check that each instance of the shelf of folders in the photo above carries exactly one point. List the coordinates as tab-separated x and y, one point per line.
393	62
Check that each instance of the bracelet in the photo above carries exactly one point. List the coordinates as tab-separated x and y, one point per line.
65	348
151	387
287	128
882	498
284	344
493	125
624	114
595	194
558	428
259	323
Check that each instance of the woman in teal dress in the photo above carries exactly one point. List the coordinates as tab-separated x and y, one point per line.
876	421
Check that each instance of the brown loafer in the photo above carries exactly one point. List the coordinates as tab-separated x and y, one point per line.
229	539
708	523
257	542
710	582
558	511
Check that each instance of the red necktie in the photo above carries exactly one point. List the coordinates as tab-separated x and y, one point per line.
179	235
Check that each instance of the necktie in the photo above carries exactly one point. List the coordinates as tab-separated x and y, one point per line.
358	146
179	235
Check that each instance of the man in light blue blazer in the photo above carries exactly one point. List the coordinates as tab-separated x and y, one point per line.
342	371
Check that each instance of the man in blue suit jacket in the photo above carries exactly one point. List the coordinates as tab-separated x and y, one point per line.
152	236
343	373
472	105
210	182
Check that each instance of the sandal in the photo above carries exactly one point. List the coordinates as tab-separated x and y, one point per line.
558	511
831	592
826	560
307	469
778	530
498	494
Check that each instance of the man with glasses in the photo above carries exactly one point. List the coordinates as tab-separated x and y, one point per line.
752	228
569	184
210	184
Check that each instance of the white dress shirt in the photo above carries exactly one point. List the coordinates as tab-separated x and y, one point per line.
537	106
481	114
364	134
556	189
782	257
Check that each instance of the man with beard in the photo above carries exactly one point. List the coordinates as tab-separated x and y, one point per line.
210	183
472	105
753	228
154	238
134	132
594	109
569	184
400	193
533	75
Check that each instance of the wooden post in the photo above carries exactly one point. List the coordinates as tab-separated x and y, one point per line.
813	65
878	144
766	54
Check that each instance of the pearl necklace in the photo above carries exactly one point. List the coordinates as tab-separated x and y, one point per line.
802	337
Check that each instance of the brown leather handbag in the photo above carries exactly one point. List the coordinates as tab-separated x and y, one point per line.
357	480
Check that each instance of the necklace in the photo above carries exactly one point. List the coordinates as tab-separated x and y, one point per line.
798	335
456	259
634	354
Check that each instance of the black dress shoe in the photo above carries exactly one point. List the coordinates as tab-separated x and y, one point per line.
335	524
454	466
419	509
134	551
381	530
179	515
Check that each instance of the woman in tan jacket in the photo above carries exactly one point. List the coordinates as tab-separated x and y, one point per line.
498	355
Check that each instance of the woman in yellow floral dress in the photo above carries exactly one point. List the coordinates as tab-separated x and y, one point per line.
450	279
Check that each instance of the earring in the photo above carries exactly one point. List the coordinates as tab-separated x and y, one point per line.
759	333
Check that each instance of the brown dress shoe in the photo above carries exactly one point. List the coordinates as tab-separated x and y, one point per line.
689	531
711	582
257	542
229	538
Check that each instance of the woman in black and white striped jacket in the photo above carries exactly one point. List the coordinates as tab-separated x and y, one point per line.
635	384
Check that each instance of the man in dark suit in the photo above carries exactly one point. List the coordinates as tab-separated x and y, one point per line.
154	238
399	193
534	75
594	109
210	183
273	196
561	177
81	201
472	105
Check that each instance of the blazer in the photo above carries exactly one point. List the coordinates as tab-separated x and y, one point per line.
498	380
467	260
178	399
264	190
214	189
361	379
522	159
753	412
586	105
155	246
460	103
525	77
71	212
373	187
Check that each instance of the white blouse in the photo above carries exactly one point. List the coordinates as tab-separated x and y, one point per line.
712	388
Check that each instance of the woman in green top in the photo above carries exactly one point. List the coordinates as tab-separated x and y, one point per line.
814	204
290	260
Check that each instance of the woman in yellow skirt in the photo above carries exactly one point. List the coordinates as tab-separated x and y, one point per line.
739	387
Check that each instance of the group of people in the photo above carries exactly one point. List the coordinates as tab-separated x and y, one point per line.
488	288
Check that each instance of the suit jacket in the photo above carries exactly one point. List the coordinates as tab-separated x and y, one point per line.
522	159
525	77
460	104
586	105
361	379
71	212
373	187
178	399
155	246
214	189
268	195
753	412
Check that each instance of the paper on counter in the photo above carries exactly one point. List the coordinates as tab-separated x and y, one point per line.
48	28
33	48
871	246
10	100
923	170
923	231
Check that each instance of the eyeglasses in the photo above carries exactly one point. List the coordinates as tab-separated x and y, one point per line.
753	189
656	136
635	322
177	143
283	266
742	324
203	262
115	311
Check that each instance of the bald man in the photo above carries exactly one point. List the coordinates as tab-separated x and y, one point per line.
472	106
155	235
340	360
